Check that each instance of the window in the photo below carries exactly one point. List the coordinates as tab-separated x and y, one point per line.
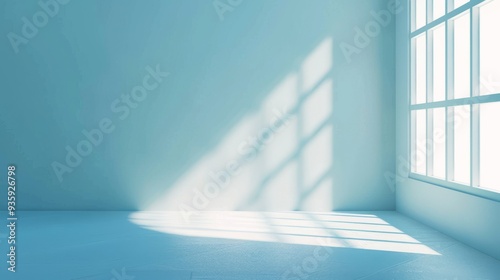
455	93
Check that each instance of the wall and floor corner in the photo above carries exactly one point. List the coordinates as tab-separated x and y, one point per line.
81	142
470	219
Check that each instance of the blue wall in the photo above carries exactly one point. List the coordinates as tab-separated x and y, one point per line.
229	73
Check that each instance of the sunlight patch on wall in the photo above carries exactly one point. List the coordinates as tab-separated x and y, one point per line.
317	65
278	157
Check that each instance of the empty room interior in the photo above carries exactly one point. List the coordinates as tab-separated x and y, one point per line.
250	139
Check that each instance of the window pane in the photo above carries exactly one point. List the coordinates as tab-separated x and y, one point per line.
420	152
439	143
489	48
439	59
458	3
420	13
420	69
489	152
438	8
461	119
462	56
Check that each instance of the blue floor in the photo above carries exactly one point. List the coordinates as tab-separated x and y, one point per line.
239	245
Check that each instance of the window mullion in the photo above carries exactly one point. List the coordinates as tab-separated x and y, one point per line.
479	99
413	140
413	122
474	112
430	142
449	95
413	14
429	94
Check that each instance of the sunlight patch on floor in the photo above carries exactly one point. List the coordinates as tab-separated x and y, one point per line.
367	232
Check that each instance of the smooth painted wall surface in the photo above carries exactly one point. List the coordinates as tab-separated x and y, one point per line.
467	218
237	105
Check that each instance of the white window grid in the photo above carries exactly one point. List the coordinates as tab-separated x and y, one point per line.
474	99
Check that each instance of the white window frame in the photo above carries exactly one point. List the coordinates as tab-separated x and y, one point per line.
474	100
